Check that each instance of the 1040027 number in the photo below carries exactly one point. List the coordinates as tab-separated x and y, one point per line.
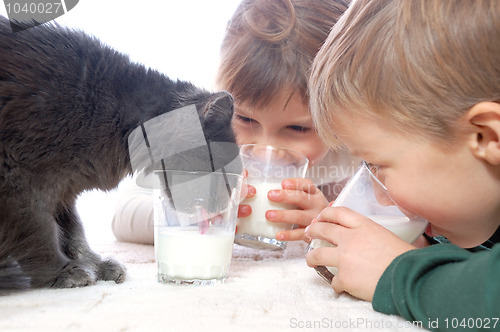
471	323
34	8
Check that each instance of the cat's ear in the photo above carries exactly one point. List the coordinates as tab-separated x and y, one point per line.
222	105
225	101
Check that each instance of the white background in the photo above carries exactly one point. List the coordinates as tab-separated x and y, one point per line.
180	38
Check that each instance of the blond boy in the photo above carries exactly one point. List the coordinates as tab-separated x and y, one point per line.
413	87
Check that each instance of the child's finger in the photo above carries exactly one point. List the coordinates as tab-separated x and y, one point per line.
291	235
244	210
305	185
324	256
251	191
342	216
299	198
296	217
324	231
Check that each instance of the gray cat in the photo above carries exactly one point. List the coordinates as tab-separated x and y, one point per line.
67	105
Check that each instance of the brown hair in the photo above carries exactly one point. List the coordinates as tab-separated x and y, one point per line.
419	65
270	45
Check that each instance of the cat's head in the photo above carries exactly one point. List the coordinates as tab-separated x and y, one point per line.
196	135
215	114
215	111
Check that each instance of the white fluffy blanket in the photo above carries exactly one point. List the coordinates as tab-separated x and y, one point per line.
264	291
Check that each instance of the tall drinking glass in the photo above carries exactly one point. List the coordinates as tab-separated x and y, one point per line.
267	166
364	193
195	218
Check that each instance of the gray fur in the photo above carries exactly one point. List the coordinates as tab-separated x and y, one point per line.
67	105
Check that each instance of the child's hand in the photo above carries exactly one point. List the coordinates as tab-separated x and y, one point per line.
244	210
363	251
309	200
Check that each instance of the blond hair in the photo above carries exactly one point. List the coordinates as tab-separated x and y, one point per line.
419	65
269	47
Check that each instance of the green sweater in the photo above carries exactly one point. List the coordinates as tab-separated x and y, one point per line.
444	287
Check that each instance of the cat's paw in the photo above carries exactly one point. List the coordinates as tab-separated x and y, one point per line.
109	269
74	274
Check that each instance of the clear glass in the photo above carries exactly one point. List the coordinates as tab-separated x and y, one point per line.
365	194
267	167
195	218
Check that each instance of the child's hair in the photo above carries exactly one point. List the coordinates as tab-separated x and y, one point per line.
419	65
270	45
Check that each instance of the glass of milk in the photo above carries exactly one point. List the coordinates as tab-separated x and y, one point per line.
195	218
365	194
267	166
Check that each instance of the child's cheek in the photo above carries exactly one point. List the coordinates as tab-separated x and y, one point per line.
408	205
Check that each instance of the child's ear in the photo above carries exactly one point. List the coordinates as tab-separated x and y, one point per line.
485	138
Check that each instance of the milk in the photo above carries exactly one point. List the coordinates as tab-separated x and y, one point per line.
256	224
405	229
186	254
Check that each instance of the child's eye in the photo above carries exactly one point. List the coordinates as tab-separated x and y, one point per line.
244	118
299	129
372	167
